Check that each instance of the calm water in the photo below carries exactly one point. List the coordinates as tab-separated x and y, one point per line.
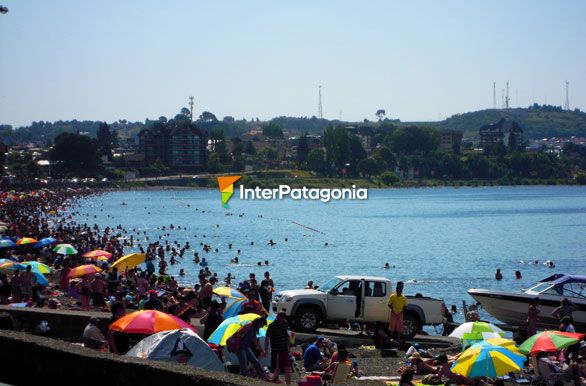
441	241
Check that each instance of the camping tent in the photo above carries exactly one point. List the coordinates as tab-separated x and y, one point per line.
178	346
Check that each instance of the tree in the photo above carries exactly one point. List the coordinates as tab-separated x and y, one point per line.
380	114
249	149
104	137
75	155
185	111
160	167
414	139
237	146
368	167
387	155
302	150
316	160
213	163
228	119
269	156
272	130
389	178
206	116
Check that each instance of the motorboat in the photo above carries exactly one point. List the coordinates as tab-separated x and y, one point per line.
511	307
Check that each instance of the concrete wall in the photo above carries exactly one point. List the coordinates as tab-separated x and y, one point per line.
32	360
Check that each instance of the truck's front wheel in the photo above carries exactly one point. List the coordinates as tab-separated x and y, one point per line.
307	319
411	325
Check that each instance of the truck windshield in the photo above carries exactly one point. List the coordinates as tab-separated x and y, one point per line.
329	285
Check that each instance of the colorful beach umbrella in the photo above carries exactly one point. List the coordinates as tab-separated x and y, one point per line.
44	242
3	228
26	240
12	265
472	332
129	261
148	322
65	249
233	308
549	341
486	360
82	270
229	327
506	343
5	243
36	266
98	254
229	292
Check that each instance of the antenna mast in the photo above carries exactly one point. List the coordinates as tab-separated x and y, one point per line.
494	95
320	112
191	103
507	98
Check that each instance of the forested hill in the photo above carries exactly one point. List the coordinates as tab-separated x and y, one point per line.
537	121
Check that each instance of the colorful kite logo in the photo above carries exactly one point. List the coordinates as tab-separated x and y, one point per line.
226	186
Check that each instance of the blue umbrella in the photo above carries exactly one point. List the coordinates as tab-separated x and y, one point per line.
44	242
6	243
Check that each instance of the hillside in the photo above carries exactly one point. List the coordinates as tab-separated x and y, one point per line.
537	121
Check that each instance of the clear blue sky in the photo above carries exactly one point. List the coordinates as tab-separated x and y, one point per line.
418	60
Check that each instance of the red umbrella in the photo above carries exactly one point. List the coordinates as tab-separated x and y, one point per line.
549	341
148	322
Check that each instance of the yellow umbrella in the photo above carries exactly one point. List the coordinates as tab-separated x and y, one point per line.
506	343
129	261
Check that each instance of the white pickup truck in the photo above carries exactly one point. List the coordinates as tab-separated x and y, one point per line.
361	299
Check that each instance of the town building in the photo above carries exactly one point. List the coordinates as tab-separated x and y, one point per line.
180	146
450	140
504	131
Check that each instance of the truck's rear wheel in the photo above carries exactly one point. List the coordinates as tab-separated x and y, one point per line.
411	325
307	319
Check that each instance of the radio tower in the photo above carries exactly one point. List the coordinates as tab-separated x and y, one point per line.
567	104
320	112
191	103
494	95
507	97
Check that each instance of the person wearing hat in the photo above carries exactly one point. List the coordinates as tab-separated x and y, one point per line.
153	303
421	367
313	359
397	303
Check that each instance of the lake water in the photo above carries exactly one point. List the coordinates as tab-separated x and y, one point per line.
441	241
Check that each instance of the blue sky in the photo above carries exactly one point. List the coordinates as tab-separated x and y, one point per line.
418	60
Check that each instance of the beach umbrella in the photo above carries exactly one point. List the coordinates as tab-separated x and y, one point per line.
148	322
229	292
97	254
3	228
26	240
44	242
183	346
229	327
36	266
486	360
549	341
65	249
506	343
41	279
129	261
3	223
6	243
82	270
233	308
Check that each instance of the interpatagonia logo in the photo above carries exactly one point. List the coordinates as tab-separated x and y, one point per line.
226	187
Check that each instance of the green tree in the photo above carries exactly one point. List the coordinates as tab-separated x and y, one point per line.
213	164
380	114
368	167
206	116
249	149
414	139
272	130
316	160
269	156
302	150
389	178
387	155
104	137
75	155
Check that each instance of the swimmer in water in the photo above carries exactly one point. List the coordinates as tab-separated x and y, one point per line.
387	266
181	272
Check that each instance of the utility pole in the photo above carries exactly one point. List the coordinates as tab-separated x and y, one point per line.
191	103
502	98
507	98
320	112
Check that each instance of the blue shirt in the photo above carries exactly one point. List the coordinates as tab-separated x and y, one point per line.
311	356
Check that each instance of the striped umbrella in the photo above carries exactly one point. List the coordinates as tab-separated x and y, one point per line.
549	341
12	265
148	322
37	266
506	343
97	254
486	360
82	270
229	327
229	292
65	249
5	243
26	240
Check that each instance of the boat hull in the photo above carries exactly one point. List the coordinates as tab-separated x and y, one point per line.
511	308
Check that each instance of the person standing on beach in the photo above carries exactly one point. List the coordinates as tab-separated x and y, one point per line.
266	291
397	303
532	315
